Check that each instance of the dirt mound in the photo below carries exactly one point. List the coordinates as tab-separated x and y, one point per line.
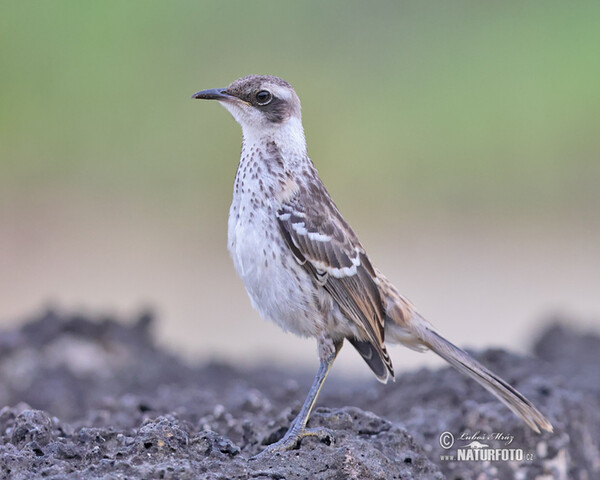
95	398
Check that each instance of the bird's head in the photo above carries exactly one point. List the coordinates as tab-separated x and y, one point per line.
259	103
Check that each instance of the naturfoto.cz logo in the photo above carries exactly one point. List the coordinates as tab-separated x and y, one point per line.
477	448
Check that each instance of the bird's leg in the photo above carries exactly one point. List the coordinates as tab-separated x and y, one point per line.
328	350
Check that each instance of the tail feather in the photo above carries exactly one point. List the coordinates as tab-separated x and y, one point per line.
466	364
381	365
406	326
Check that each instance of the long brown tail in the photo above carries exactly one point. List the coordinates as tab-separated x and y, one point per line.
406	326
466	364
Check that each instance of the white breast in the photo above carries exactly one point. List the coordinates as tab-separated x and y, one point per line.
278	286
280	289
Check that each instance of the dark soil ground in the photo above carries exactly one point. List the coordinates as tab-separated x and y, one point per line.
95	398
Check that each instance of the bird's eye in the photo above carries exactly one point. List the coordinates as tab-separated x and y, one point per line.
263	97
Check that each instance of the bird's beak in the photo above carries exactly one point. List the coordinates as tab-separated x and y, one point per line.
214	94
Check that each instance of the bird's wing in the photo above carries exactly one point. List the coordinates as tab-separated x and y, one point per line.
326	246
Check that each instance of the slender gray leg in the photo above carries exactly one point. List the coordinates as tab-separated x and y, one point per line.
328	350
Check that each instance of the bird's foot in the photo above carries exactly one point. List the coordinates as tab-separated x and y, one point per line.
294	436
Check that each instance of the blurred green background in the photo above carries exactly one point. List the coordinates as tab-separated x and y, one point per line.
461	139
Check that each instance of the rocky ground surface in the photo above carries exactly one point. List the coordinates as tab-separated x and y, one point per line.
95	398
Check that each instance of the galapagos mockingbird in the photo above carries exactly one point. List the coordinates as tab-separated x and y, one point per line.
304	267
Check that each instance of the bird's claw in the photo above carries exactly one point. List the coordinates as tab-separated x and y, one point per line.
293	437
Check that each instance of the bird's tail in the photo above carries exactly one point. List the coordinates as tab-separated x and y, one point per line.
406	326
466	364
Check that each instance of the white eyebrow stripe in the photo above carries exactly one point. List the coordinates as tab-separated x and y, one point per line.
280	92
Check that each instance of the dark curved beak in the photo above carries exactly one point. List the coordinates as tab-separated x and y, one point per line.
213	94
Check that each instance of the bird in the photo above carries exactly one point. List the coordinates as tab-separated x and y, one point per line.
304	267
